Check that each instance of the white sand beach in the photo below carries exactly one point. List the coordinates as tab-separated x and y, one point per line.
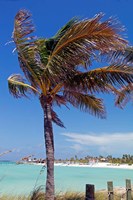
98	165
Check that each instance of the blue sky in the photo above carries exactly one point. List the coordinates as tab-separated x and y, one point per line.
21	120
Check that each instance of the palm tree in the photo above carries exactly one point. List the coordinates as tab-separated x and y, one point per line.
52	69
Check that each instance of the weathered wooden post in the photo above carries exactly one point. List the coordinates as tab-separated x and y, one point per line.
90	192
128	189
110	190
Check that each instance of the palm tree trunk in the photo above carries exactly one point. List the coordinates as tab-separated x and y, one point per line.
49	144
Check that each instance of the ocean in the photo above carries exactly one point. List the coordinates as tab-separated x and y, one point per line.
23	178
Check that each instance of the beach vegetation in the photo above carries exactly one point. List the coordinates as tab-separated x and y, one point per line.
59	71
38	195
124	159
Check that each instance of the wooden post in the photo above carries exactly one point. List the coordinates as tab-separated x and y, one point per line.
110	190
90	190
128	189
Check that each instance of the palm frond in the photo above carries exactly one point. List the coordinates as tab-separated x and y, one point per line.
125	56
60	100
18	88
51	43
26	46
118	75
97	80
112	89
31	66
23	27
86	83
86	103
65	28
42	51
103	80
56	119
125	95
83	38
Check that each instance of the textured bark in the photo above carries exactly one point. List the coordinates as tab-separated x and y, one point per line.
49	144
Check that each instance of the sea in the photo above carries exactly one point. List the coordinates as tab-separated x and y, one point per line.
22	179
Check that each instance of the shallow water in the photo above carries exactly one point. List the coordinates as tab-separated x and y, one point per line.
22	179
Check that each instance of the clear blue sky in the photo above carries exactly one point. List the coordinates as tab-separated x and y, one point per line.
21	120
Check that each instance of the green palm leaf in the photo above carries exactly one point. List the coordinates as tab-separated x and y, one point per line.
65	28
52	42
18	88
28	55
43	52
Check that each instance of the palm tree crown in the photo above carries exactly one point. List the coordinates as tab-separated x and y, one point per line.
50	65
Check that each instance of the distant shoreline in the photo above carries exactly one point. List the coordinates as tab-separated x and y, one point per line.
90	165
95	165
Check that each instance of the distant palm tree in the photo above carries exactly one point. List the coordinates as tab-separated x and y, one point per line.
52	68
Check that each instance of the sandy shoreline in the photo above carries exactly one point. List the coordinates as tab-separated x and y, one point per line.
98	165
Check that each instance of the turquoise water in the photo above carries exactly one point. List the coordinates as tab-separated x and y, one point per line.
21	179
